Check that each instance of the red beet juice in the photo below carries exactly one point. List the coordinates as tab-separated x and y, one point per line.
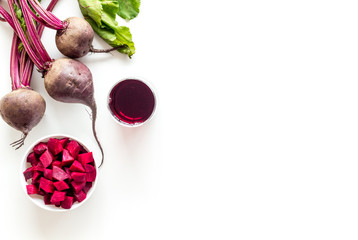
131	101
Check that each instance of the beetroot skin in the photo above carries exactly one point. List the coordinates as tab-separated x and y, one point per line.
70	81
61	171
75	41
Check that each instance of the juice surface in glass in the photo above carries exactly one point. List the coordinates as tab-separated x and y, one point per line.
131	102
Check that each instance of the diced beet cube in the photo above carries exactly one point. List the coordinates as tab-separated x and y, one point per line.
80	196
67	203
59	174
31	158
74	148
55	146
36	177
56	163
78	176
91	172
78	186
46	185
71	194
28	173
63	142
61	185
58	197
87	187
39	167
67	159
31	189
67	170
77	167
85	158
47	198
46	158
58	157
83	150
41	192
48	174
40	148
39	164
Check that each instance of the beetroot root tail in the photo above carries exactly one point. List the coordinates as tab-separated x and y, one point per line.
94	50
94	117
19	143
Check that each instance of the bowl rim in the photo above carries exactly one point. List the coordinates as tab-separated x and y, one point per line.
35	198
151	87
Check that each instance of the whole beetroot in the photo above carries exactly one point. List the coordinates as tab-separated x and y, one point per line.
75	40
22	109
70	81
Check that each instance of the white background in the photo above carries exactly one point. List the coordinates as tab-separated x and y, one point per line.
255	135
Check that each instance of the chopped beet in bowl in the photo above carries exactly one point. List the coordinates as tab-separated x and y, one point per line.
58	173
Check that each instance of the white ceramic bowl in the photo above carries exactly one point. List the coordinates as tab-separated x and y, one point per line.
151	87
39	200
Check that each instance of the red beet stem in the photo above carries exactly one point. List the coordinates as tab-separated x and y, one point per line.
27	72
21	66
14	64
29	65
33	35
32	43
22	60
32	54
49	19
6	17
50	7
26	7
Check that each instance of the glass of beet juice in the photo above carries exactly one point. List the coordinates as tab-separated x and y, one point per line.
132	102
